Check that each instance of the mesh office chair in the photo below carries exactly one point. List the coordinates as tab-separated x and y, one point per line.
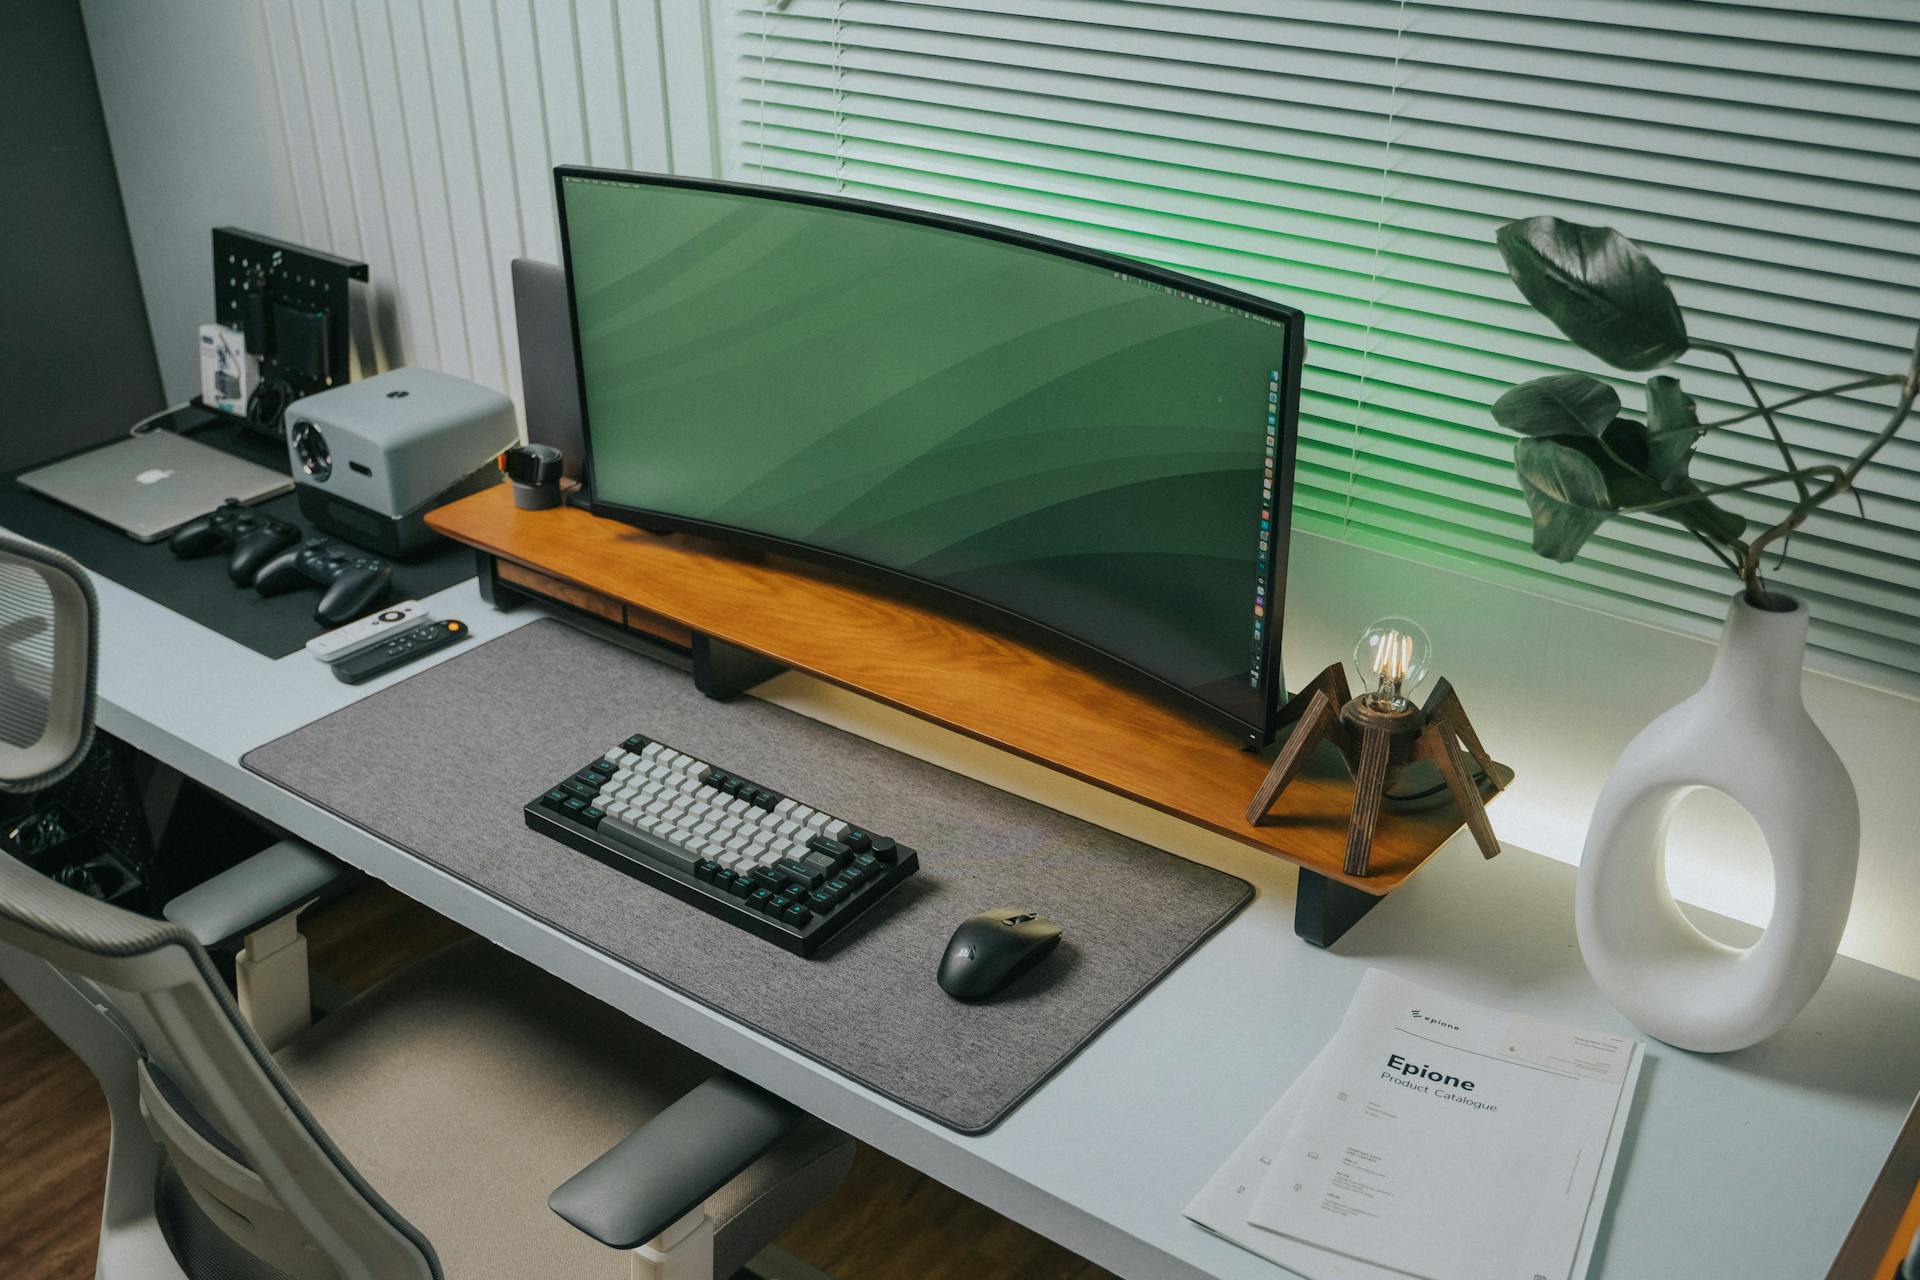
466	1088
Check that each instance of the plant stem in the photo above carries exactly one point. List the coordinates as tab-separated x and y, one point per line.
1772	477
1719	553
1786	454
1877	380
1909	392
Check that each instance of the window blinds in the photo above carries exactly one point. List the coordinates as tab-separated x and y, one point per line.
1353	157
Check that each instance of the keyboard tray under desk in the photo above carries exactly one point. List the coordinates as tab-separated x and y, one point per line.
952	672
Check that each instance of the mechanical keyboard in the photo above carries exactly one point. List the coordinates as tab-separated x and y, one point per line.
777	868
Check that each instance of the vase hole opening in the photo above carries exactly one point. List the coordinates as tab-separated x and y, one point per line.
1771	601
1716	852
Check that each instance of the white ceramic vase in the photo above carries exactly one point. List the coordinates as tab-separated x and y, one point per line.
1745	733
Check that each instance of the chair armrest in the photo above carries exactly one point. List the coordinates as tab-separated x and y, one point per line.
665	1169
280	878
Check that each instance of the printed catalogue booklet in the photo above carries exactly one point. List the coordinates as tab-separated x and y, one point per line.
1433	1138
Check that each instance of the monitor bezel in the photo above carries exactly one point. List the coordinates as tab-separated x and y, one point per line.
1271	693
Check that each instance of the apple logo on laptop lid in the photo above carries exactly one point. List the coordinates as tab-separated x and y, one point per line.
153	475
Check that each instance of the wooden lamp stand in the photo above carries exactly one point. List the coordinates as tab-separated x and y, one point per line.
1379	744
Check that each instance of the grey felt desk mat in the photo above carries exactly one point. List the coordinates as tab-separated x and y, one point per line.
441	765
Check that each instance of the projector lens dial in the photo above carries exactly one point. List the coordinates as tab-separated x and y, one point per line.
310	447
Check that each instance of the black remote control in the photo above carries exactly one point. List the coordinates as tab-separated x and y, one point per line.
400	650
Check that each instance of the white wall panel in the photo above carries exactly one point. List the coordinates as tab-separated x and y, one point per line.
417	135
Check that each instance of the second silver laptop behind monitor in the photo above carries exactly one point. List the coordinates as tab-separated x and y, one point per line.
547	377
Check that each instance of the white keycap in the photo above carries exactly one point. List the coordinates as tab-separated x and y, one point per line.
785	806
818	821
651	750
836	828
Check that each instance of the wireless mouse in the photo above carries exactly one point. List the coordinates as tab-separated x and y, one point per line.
993	948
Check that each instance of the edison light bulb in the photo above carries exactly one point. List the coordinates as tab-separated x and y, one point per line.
1392	657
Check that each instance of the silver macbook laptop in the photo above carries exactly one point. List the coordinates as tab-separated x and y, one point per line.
148	486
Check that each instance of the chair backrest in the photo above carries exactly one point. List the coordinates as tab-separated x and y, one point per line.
48	640
209	1139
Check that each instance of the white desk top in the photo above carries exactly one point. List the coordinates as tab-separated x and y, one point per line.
1748	1165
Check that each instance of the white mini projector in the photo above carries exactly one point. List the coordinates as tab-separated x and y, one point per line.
371	458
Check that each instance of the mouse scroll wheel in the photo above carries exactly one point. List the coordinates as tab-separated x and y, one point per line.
1020	919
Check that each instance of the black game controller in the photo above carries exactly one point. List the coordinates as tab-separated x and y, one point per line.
354	582
255	539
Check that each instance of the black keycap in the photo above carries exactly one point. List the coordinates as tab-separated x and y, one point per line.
824	899
840	885
884	848
635	743
575	787
704	869
723	879
760	897
554	798
868	863
796	915
591	815
740	887
857	840
778	903
767	799
799	873
591	778
854	876
766	879
819	862
712	777
831	848
574	807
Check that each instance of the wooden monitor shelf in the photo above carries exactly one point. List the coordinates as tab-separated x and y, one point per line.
954	673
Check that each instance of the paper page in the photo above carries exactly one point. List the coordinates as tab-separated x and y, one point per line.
1445	1140
1223	1204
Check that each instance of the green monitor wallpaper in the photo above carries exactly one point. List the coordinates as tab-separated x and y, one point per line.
1061	439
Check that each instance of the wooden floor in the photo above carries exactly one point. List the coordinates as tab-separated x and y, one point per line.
886	1223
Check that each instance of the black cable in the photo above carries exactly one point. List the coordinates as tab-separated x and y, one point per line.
1479	777
268	404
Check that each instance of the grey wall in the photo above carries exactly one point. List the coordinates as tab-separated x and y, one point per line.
198	144
76	357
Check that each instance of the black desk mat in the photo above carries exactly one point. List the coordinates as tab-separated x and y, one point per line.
441	764
200	589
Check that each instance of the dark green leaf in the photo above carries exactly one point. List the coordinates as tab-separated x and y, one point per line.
1563	405
1673	427
1598	288
1565	492
1632	484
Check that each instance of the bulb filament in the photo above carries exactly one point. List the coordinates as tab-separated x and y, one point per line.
1392	661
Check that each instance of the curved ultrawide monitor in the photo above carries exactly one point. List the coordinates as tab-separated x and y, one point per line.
1047	435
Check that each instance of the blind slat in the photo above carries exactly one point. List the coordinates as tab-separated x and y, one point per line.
1353	159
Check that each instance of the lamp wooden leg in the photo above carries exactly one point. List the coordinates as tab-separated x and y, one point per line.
1437	744
1369	793
1321	718
1445	709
